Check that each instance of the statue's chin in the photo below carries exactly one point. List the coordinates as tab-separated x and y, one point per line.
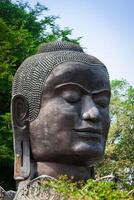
80	153
89	151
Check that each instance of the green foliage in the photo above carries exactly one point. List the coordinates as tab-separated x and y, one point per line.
119	159
6	144
91	190
6	152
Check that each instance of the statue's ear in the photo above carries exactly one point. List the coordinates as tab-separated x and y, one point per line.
19	110
20	124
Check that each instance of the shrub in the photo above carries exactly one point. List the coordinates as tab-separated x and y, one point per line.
91	190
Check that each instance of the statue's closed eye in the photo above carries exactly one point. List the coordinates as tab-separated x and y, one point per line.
71	96
102	101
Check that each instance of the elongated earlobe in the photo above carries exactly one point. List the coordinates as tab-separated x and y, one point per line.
20	124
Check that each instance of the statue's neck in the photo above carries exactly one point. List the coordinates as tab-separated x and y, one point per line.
57	169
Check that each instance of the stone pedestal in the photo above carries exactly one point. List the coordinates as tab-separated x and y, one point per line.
6	195
36	190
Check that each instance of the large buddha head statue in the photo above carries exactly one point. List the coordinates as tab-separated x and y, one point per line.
60	112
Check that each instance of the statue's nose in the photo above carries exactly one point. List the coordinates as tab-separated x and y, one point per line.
90	110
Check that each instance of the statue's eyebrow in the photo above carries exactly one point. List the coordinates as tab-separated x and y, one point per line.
100	91
74	84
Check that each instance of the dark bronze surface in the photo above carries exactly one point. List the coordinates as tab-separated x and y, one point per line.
72	125
73	121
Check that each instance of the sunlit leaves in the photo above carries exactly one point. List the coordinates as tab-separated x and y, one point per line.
119	157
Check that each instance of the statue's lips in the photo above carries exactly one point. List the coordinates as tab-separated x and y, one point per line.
89	133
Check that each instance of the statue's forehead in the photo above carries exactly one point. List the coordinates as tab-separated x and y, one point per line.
92	77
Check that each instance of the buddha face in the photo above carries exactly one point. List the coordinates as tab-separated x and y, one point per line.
73	121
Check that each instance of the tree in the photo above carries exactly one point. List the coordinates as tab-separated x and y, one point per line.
119	159
22	30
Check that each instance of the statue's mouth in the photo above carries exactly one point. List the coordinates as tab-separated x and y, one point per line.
89	133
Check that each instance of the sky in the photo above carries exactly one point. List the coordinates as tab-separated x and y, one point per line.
106	27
